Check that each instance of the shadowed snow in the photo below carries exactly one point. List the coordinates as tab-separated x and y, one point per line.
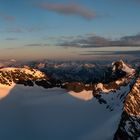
34	113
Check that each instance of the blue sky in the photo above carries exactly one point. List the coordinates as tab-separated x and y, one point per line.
31	29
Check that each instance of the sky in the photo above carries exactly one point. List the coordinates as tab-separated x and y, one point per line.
69	29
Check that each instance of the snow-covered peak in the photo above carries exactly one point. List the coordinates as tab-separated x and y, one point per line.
13	75
120	65
27	71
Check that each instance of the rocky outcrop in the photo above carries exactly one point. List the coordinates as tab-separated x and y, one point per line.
26	76
129	127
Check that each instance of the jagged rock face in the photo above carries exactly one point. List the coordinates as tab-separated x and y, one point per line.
129	127
117	90
20	76
132	104
112	86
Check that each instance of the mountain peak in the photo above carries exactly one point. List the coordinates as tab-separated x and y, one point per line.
121	65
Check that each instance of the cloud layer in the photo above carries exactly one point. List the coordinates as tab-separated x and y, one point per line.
107	53
97	41
11	38
69	9
36	45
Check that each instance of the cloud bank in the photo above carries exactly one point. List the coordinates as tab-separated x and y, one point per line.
107	53
97	41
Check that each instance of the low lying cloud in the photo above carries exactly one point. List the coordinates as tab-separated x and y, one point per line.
97	41
112	55
36	45
132	53
69	9
10	39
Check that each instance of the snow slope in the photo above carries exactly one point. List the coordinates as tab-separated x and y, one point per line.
4	90
52	114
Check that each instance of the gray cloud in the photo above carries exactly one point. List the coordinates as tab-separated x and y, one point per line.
137	52
37	45
133	53
97	41
69	9
111	55
10	39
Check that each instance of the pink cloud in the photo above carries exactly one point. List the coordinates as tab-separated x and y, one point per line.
70	9
7	17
